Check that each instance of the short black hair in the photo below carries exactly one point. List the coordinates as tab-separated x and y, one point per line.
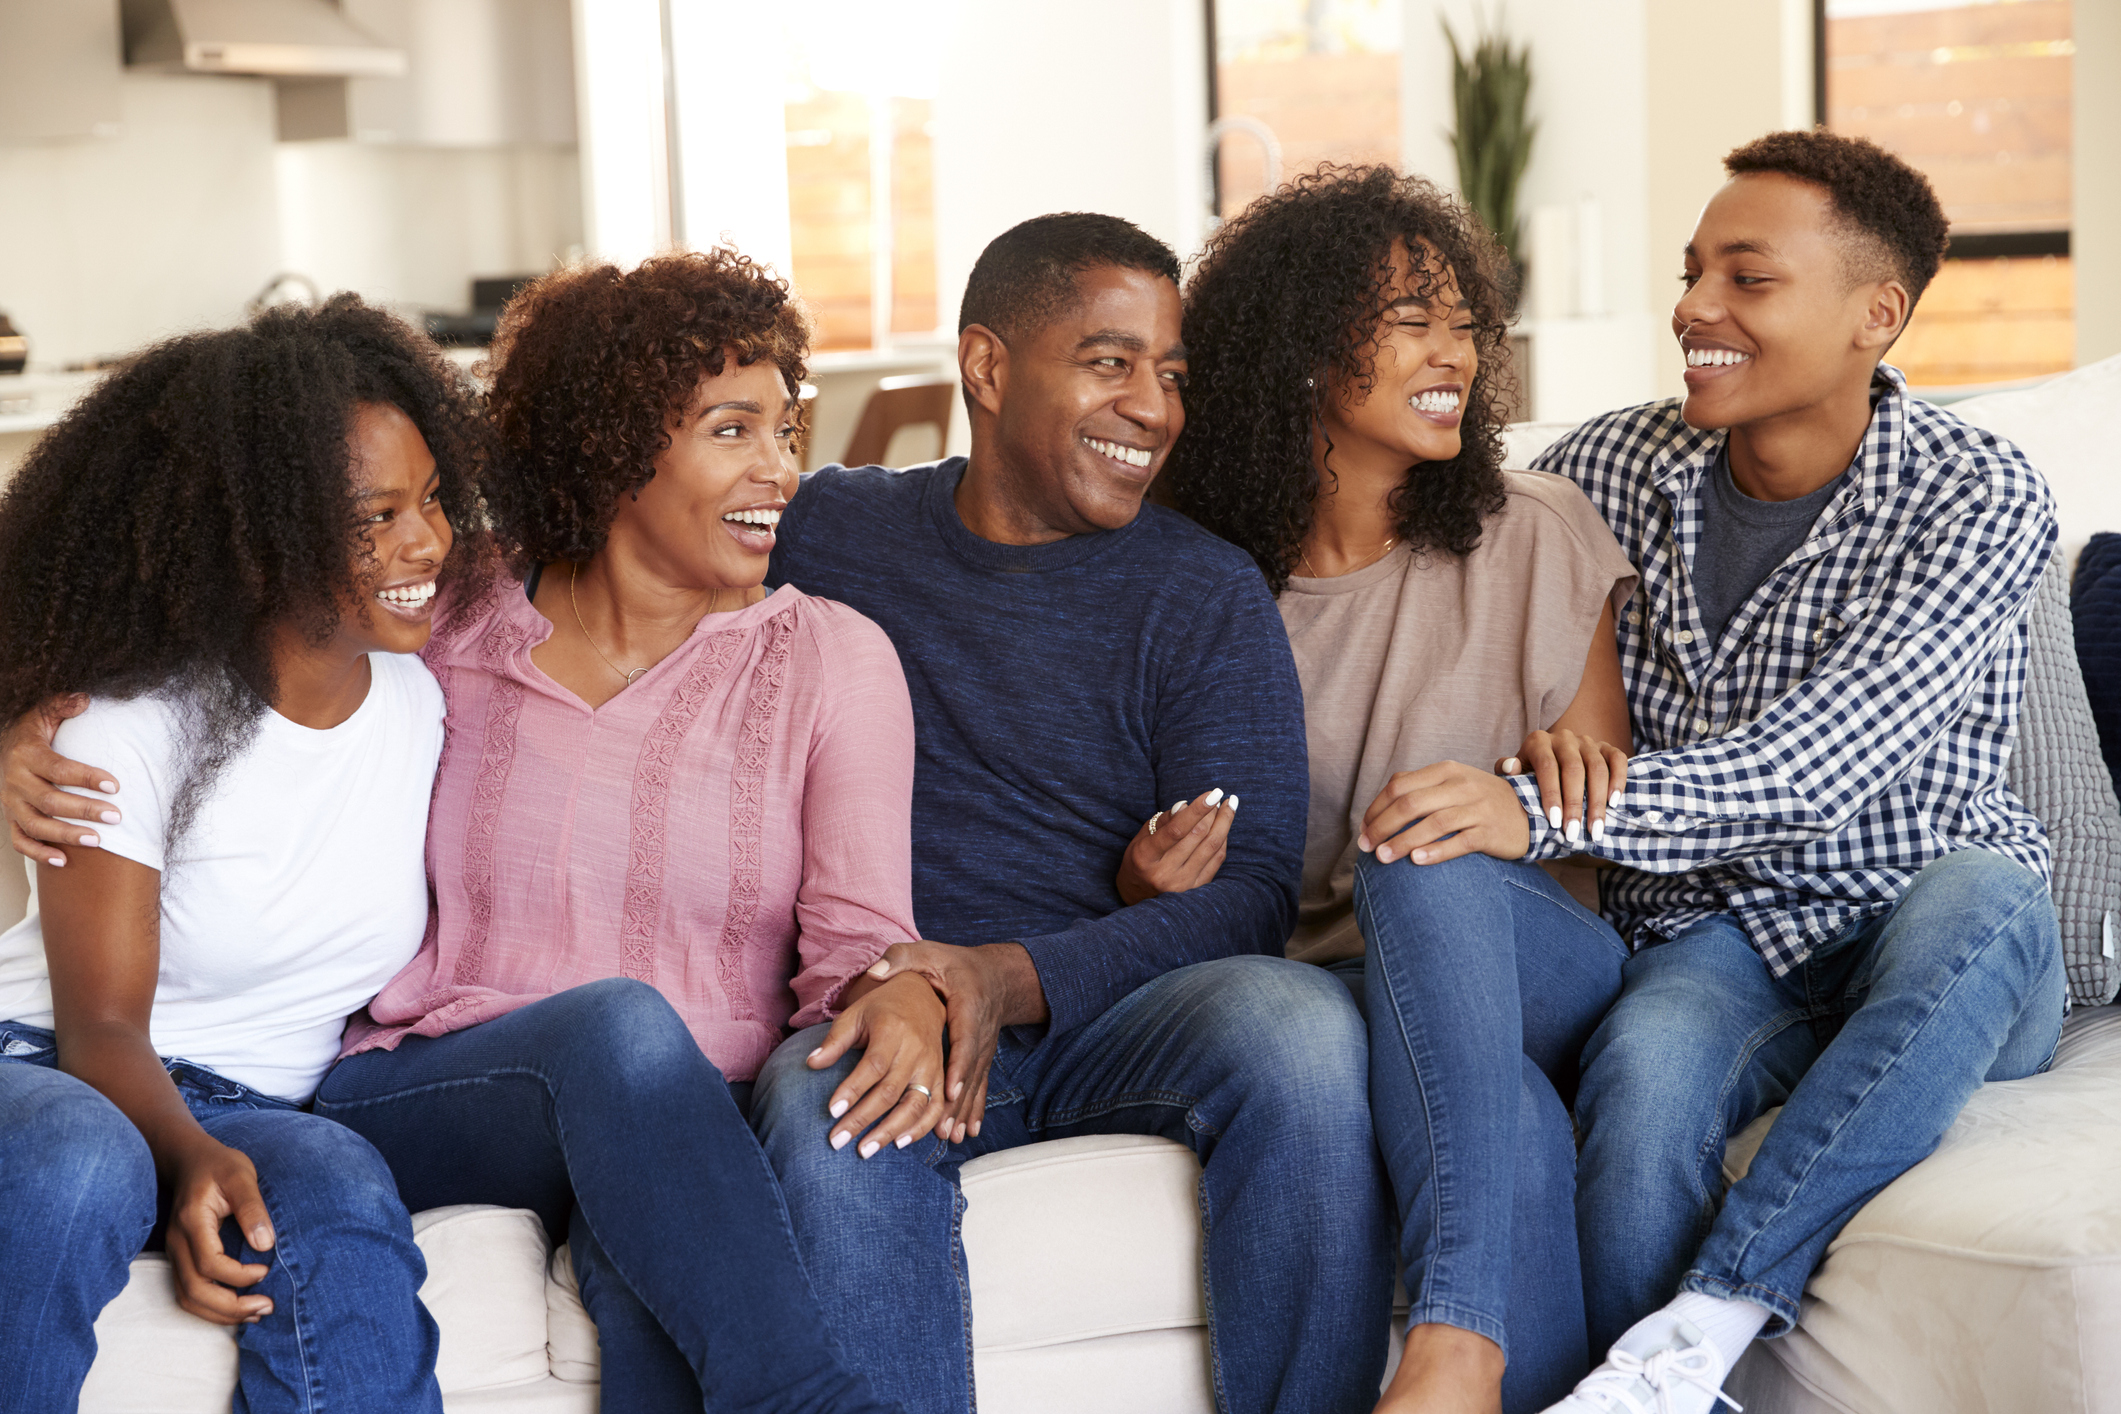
1886	204
1026	275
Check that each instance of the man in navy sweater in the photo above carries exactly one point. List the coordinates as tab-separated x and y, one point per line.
1078	659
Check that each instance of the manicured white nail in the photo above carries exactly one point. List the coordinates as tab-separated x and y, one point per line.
1554	816
1176	806
90	840
839	1140
1213	798
1612	801
107	787
109	817
56	861
902	1141
869	1148
1598	829
1232	803
1574	833
1512	766
839	1107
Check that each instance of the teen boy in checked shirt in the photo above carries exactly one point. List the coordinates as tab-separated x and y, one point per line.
1840	906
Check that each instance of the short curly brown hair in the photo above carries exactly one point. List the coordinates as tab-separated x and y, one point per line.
1887	206
589	366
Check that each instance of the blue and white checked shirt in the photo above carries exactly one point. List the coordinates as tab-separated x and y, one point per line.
1855	719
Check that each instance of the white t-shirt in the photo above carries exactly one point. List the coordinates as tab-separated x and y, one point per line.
299	890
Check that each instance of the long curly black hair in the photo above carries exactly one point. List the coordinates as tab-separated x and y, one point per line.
201	495
1286	304
588	366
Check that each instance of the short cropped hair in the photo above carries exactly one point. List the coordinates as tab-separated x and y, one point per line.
1885	204
1026	276
590	364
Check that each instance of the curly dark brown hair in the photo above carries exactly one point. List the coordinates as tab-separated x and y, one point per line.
200	496
1289	301
589	366
1888	207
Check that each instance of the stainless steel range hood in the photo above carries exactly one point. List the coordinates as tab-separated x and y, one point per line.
279	38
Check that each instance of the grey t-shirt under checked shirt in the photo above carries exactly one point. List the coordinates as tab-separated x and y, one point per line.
1743	541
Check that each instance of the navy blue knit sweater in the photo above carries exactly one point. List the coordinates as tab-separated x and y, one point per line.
1062	694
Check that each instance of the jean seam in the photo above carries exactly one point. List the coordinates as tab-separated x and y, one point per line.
290	1262
1367	921
1966	962
1607	936
1717	1140
1207	1286
1174	1099
1465	1318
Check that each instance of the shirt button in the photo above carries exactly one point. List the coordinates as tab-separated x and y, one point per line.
1701	724
1819	635
1634	616
1654	817
1685	635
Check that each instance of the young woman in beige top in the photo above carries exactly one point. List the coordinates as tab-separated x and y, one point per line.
1453	627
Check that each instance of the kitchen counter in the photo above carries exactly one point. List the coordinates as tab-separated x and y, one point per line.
31	402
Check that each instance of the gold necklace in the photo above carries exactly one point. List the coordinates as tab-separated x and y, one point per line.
1304	558
573	573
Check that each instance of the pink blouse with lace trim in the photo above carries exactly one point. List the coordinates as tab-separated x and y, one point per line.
733	829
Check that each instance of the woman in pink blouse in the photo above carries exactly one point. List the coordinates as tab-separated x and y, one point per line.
671	820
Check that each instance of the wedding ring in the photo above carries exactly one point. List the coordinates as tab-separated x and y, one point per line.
926	1093
1155	820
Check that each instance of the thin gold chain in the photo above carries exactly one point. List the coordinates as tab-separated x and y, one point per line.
1304	558
574	571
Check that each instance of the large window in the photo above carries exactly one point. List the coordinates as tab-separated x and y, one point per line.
1299	82
861	192
1977	95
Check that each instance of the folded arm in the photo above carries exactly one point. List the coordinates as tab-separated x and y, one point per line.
1876	701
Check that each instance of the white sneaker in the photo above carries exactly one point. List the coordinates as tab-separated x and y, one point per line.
1680	1374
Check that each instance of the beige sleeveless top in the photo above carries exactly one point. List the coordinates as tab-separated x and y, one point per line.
1420	659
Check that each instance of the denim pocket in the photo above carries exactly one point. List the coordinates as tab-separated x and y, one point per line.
32	1044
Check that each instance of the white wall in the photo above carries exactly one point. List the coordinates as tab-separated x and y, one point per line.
413	226
1068	105
109	243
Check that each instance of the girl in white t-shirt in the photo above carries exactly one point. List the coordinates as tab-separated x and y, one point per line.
232	548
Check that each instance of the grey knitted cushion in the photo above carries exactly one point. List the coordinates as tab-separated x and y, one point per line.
2059	774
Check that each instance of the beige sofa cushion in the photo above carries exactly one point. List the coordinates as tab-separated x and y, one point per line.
485	1288
1988	1277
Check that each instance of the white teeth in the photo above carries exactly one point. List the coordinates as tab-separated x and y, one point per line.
1714	358
1132	456
1435	400
411	596
769	519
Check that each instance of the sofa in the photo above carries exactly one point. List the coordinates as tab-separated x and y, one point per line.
1988	1278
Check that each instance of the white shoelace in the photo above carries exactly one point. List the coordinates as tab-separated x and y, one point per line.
1613	1385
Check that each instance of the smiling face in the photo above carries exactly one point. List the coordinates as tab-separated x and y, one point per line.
1085	407
1772	322
706	519
1420	375
402	534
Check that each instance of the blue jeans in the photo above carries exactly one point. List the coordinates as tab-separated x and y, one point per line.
1482	981
1871	1046
1256	1063
596	1110
77	1202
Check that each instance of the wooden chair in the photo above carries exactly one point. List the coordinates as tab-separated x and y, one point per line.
898	403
